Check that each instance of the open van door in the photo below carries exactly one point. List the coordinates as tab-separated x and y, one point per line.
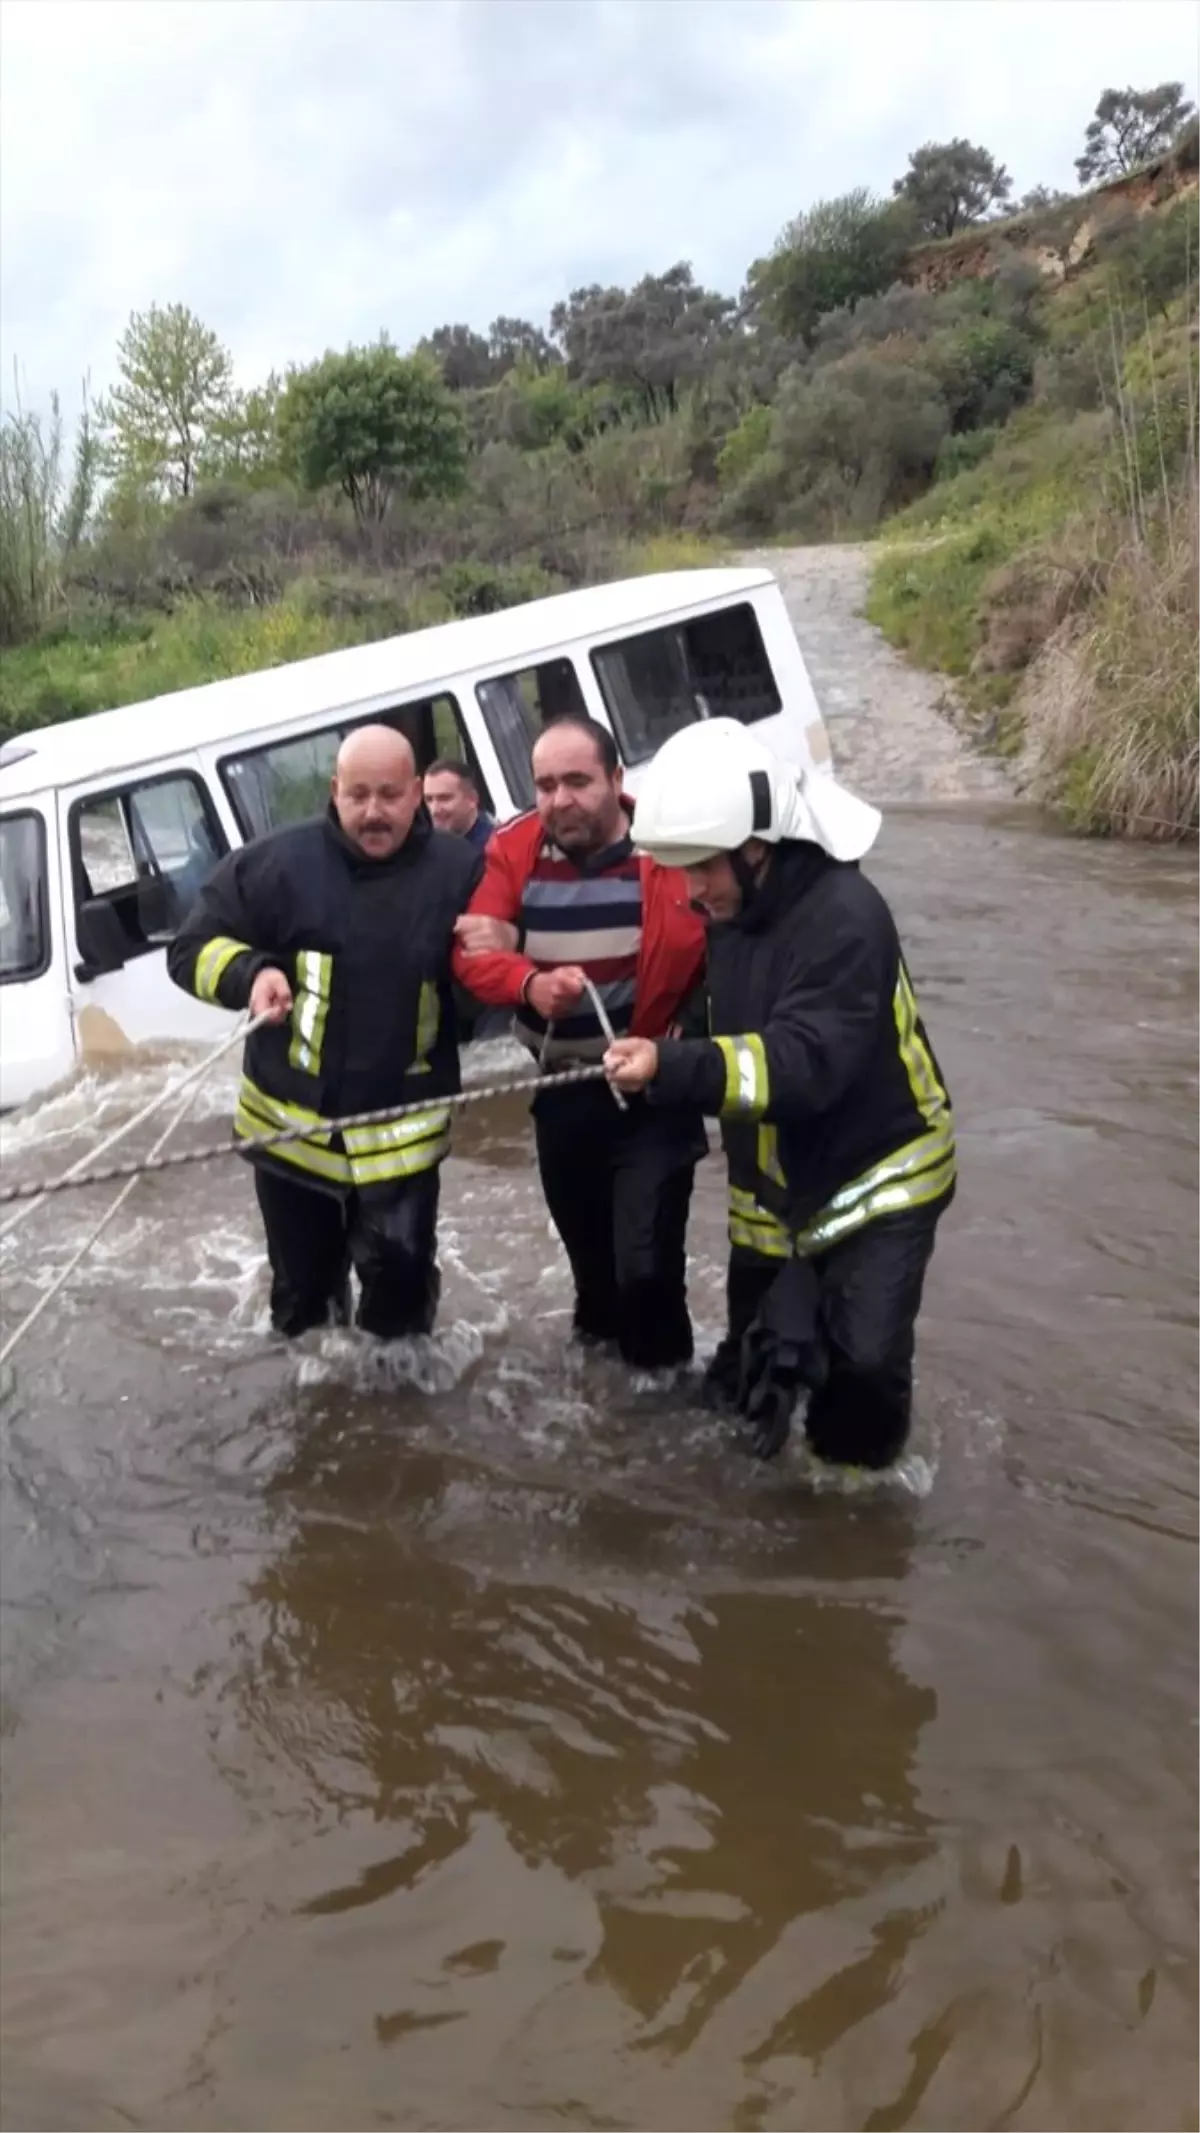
137	857
35	1004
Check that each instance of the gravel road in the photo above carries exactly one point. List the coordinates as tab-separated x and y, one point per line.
891	741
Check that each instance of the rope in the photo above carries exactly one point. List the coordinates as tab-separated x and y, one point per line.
71	1178
197	1074
386	1117
607	1030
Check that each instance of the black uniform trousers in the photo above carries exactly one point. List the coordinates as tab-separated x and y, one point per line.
315	1237
850	1315
618	1185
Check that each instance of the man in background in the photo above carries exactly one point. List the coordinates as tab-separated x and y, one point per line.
452	797
567	913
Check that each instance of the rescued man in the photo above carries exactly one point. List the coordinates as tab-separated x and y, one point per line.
834	1113
452	797
565	901
339	930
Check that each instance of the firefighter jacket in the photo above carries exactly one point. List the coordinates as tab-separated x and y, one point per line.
832	1105
670	962
365	945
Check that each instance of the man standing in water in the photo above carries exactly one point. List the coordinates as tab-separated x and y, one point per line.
834	1114
339	930
595	921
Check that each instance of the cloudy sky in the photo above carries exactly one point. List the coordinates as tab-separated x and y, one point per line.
304	173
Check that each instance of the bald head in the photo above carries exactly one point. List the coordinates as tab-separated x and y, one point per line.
376	790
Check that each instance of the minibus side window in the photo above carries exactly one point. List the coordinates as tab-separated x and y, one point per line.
515	709
24	897
146	850
714	666
288	781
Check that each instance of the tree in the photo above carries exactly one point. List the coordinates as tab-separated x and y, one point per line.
1040	196
471	361
513	341
1132	127
44	513
243	443
836	252
952	183
653	340
462	356
176	383
373	424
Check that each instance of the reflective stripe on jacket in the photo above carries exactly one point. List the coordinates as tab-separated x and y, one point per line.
365	945
832	1104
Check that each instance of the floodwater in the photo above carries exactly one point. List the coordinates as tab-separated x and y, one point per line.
472	1738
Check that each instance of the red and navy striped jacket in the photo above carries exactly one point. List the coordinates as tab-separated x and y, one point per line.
624	919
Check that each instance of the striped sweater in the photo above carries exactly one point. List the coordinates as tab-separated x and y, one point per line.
589	914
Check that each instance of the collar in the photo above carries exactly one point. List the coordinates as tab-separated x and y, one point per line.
792	869
360	862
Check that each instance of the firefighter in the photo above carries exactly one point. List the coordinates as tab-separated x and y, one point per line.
565	900
834	1113
339	930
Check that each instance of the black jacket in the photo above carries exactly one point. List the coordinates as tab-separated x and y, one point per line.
816	1038
365	944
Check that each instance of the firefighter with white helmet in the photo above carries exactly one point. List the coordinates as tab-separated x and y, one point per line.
834	1114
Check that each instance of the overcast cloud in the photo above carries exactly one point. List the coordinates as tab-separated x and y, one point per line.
304	173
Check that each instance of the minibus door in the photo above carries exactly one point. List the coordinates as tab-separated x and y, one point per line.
138	856
37	1046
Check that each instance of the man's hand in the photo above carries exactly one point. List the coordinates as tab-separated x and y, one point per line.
554	992
477	934
271	995
631	1062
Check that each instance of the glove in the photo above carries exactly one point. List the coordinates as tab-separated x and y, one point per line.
719	1385
770	1383
781	1356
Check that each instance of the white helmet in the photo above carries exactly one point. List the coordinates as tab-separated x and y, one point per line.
712	786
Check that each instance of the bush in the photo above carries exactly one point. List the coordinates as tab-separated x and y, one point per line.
1069	380
966	449
985	370
743	446
1150	260
900	314
856	436
484	588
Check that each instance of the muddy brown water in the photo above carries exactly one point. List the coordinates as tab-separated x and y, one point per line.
475	1739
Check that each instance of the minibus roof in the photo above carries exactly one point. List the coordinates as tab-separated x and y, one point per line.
111	743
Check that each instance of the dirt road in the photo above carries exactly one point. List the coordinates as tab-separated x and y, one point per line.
891	742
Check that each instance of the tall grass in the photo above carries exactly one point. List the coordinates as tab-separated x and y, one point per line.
43	514
1074	546
1119	744
1119	739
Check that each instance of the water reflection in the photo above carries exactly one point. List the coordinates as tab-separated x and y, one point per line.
715	1766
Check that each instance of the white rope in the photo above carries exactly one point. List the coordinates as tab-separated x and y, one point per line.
606	1028
60	1281
321	1128
610	1033
139	1118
